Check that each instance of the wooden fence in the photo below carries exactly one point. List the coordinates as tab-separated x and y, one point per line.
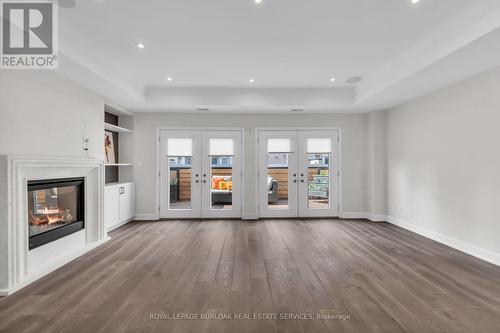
280	174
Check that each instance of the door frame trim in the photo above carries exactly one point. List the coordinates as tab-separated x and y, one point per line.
340	143
182	128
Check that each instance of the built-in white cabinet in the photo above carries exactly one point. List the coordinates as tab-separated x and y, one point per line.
111	207
119	193
119	204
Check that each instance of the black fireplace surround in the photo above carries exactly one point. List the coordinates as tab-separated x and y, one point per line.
56	208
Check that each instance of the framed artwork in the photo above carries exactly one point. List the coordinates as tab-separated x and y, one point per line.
109	147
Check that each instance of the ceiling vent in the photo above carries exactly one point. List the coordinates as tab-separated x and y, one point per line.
67	3
354	79
202	109
297	110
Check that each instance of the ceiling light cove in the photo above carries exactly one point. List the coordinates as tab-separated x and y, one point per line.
173	56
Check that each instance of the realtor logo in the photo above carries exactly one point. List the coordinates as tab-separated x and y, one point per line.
29	34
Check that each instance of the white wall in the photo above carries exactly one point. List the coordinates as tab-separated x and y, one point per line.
443	167
42	113
376	152
354	150
4	226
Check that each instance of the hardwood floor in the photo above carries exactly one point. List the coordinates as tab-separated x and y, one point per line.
374	276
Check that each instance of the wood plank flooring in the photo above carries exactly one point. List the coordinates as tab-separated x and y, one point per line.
364	277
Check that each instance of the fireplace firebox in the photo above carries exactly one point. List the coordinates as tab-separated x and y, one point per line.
55	209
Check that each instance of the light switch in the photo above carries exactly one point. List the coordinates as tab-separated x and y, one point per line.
85	141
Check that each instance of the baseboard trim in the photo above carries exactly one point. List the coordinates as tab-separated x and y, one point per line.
473	250
353	215
29	279
255	216
121	224
155	217
250	216
377	218
364	215
147	217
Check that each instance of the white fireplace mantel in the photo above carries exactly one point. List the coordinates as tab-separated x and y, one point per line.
20	266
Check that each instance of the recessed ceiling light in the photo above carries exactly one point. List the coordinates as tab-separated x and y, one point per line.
297	110
332	79
140	45
251	80
415	1
258	2
169	78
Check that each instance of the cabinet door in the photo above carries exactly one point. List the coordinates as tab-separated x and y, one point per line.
127	202
111	207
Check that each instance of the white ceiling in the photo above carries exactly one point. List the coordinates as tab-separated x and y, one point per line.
291	48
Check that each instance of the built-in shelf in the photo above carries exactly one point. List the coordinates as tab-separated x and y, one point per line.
118	164
118	129
121	123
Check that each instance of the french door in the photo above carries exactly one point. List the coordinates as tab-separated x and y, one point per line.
298	173
200	174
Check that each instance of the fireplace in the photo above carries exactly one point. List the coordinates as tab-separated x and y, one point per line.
55	209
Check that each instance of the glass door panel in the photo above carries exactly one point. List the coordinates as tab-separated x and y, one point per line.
318	181
222	183
318	186
180	165
180	182
277	181
277	173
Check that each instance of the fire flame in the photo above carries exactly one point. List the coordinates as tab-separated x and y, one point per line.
47	217
55	219
47	211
